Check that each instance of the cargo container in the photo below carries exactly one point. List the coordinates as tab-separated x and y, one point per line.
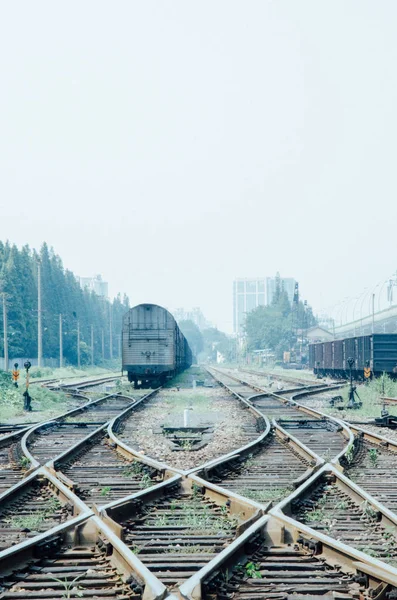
377	351
153	346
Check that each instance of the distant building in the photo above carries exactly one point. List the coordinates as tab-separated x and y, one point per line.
95	284
326	322
288	283
318	334
248	294
195	315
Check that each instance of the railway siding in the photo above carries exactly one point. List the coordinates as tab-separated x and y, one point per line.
267	470
333	505
14	464
179	526
47	440
99	472
371	464
326	436
35	507
82	558
278	558
187	536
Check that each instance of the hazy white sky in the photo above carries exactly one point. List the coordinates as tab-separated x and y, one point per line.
172	146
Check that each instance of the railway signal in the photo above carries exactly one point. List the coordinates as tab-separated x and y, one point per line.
353	390
27	398
367	372
15	374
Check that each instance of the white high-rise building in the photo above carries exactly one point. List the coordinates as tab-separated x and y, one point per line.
249	293
95	284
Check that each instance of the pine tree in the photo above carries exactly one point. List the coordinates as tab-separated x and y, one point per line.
61	295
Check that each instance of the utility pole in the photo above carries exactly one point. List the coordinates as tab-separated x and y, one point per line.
373	313
110	332
119	345
103	345
92	345
5	333
39	325
78	344
60	343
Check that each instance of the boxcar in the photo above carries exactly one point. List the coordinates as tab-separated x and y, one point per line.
378	351
153	346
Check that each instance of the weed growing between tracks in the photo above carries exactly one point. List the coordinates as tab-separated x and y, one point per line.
34	520
199	523
265	495
134	469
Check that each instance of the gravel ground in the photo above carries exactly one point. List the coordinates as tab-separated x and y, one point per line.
233	425
385	432
260	381
321	402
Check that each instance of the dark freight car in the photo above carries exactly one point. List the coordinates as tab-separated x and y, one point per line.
338	355
378	351
154	347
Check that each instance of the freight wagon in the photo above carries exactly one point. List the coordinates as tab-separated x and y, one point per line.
377	351
153	346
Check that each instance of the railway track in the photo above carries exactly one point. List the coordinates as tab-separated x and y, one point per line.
82	570
199	533
45	441
31	509
93	564
325	436
280	572
99	472
278	559
13	463
284	378
370	464
76	385
331	505
179	527
266	472
155	426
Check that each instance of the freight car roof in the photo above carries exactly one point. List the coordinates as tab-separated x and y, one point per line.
392	336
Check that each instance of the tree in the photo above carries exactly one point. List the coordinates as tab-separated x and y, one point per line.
217	341
271	327
61	295
193	335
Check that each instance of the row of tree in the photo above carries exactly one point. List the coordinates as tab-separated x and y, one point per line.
208	342
61	295
274	326
279	326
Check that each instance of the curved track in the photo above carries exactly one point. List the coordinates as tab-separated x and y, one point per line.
109	522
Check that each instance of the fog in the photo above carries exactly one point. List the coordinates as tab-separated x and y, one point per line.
174	146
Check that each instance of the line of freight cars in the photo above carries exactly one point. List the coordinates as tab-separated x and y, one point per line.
153	346
377	352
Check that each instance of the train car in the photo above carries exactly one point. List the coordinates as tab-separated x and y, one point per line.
153	346
378	352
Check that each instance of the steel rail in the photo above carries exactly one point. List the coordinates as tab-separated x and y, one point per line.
32	431
312	412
